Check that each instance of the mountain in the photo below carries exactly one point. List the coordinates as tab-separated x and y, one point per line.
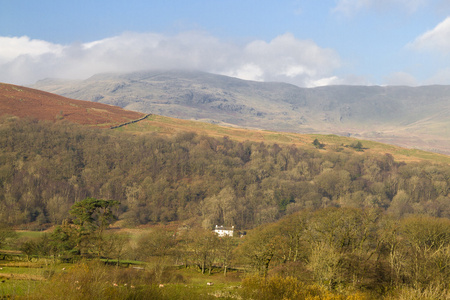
26	102
414	117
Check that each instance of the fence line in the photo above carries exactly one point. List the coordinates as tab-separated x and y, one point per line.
131	122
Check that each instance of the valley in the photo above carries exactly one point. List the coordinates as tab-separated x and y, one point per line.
90	212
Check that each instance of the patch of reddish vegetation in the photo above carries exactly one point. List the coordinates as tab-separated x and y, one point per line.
26	102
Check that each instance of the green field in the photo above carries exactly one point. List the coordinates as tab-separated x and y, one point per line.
37	280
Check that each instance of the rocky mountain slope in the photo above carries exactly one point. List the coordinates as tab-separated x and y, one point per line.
415	117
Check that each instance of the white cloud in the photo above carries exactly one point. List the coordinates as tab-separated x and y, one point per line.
288	59
441	77
401	78
350	7
352	79
435	40
285	58
333	80
13	47
248	72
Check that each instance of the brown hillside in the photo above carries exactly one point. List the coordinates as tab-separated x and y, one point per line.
26	102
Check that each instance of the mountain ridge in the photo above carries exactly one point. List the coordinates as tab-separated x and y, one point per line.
406	116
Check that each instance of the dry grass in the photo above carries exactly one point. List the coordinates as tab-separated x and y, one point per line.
171	126
17	276
25	102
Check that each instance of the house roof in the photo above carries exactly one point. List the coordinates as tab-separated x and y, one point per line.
221	227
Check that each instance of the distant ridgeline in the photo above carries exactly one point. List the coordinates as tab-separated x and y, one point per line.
131	122
413	117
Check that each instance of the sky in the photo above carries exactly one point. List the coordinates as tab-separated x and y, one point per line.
304	42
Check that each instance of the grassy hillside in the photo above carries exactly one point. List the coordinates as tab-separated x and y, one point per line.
25	102
172	126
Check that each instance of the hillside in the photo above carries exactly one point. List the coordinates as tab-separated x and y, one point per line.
413	117
333	143
48	166
25	102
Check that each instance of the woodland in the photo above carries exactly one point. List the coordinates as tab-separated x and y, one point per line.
45	168
330	224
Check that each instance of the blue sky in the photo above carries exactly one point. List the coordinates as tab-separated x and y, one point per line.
304	42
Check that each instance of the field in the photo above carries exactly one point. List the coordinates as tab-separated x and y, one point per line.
49	279
33	277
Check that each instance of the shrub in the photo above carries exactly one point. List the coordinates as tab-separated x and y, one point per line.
278	287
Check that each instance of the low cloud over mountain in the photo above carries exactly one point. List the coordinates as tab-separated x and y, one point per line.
285	58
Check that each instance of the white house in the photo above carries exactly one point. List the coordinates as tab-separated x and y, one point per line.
224	231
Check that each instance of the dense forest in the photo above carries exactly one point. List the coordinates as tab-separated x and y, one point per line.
47	167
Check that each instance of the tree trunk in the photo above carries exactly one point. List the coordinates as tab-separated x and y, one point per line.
266	265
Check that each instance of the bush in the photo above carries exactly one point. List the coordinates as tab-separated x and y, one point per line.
278	287
430	293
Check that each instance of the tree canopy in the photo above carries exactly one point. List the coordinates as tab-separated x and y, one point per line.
47	168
